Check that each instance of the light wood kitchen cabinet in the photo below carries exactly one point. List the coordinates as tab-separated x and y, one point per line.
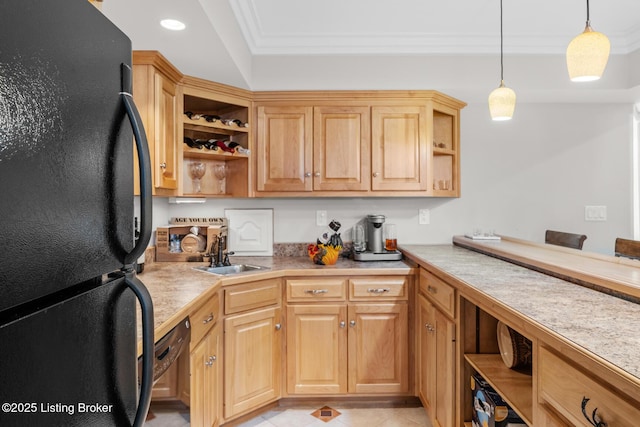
252	343
351	143
341	140
157	95
566	388
436	343
210	105
360	346
303	148
317	349
378	348
206	388
205	365
252	346
284	149
481	354
399	148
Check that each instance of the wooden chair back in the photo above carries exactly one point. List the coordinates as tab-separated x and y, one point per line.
561	238
628	248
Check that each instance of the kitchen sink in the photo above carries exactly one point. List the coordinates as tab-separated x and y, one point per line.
227	270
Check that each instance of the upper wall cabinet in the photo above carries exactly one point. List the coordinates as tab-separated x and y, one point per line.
345	144
215	140
157	95
199	132
211	140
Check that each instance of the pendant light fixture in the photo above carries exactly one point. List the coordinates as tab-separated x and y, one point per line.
587	54
502	101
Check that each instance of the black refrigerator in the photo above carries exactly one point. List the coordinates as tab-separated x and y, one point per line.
68	289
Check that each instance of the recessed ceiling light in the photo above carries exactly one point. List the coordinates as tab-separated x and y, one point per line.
172	24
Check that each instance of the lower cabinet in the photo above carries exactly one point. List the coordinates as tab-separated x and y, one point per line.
579	396
436	367
206	384
252	343
337	347
436	337
205	364
317	349
378	348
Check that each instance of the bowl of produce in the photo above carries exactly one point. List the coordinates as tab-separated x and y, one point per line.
324	254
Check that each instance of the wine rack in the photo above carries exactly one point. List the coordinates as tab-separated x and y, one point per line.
204	98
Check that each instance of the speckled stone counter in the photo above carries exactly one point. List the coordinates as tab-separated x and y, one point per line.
604	325
176	287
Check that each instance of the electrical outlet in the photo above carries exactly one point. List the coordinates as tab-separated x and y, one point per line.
321	217
424	216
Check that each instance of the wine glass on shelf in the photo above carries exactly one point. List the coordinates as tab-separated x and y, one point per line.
196	172
220	172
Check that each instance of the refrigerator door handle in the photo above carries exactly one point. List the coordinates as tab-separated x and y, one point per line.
146	307
144	164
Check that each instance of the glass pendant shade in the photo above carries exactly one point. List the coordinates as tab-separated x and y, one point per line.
587	55
502	103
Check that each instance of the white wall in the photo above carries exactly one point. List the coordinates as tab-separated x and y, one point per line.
519	178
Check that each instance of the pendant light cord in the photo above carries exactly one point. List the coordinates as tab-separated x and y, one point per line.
587	11
501	49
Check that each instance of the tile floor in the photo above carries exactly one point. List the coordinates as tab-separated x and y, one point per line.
301	417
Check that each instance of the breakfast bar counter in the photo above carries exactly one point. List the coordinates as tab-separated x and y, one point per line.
605	325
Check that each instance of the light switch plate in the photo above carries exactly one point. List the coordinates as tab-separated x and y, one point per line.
595	213
424	216
321	217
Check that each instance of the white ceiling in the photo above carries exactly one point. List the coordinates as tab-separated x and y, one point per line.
303	27
246	43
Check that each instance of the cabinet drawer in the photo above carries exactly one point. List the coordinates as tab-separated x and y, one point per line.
204	318
315	290
388	288
248	296
563	387
438	292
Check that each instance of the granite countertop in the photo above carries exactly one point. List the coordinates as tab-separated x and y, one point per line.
607	326
175	287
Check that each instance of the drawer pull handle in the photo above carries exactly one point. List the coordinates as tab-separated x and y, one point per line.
278	326
378	290
316	291
432	289
208	319
429	327
594	420
352	323
342	324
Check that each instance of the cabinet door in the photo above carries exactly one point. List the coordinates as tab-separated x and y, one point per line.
206	381
378	348
341	148
316	349
445	370
284	148
252	345
157	99
165	135
427	354
436	366
399	148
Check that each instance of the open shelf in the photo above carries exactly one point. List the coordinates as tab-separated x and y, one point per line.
201	125
516	388
194	153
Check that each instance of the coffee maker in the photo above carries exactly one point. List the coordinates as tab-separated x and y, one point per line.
375	250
